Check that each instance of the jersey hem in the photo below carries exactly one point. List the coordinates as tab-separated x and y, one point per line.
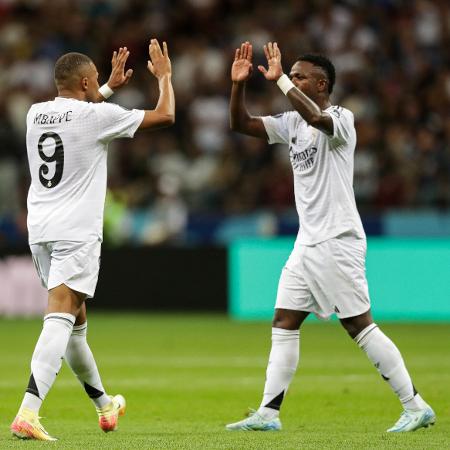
90	238
311	243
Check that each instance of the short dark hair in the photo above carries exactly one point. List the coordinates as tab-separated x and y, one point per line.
68	64
324	63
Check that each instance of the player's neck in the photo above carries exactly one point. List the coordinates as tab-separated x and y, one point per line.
67	93
323	102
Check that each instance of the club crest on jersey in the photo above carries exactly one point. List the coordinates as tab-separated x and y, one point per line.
336	111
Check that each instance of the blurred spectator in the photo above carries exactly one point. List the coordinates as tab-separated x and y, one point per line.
393	72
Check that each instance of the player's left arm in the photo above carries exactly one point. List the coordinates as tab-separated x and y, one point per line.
306	107
118	77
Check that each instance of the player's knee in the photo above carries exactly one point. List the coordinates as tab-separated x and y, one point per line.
351	329
63	299
286	320
354	327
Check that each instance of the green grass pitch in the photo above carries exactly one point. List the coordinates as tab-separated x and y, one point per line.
186	376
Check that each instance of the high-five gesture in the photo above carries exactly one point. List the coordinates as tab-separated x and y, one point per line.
273	56
159	63
242	66
119	77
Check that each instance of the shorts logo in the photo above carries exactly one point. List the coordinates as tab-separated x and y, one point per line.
336	309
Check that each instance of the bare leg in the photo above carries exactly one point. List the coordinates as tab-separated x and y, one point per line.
82	315
354	325
288	319
63	299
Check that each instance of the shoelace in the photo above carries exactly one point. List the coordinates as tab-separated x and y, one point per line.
107	412
254	413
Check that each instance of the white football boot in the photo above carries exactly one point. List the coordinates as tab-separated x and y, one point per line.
411	420
255	422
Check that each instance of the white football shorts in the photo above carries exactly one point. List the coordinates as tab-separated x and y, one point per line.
326	278
75	264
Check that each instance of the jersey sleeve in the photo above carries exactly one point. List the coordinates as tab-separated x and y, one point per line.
343	124
277	128
117	122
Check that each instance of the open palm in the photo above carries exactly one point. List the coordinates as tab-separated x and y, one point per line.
159	63
273	56
119	77
242	66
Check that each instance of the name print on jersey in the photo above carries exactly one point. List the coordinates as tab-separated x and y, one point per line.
303	160
48	119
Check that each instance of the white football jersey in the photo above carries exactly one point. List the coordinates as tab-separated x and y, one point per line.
323	173
67	140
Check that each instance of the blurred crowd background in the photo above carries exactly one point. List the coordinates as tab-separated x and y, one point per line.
199	182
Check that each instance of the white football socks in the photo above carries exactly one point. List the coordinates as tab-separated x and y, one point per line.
47	358
283	361
80	359
389	362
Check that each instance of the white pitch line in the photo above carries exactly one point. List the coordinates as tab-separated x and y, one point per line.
195	383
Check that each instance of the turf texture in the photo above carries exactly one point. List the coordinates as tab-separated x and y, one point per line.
186	376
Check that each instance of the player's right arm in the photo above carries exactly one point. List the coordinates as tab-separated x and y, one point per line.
159	65
240	119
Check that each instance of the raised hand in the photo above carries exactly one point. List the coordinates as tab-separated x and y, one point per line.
119	77
159	63
273	56
242	66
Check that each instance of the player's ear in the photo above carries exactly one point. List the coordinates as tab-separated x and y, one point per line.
322	85
84	83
